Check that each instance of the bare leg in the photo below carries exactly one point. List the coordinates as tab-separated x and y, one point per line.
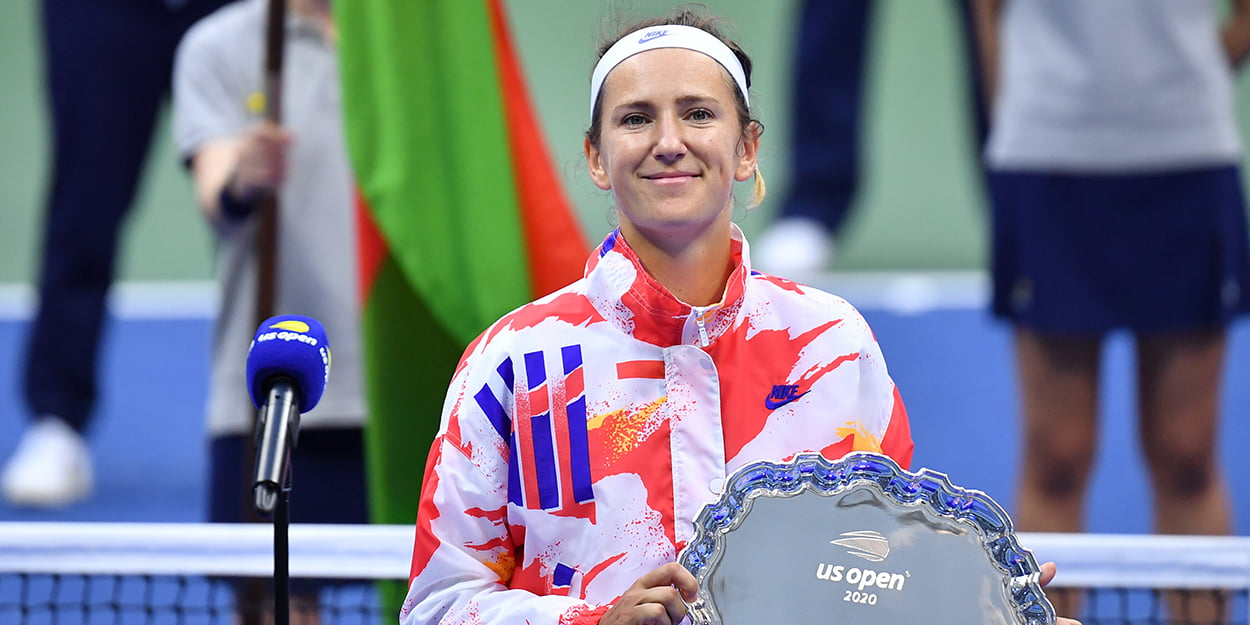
1059	391
1179	381
304	610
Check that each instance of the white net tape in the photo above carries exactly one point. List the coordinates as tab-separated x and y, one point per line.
384	552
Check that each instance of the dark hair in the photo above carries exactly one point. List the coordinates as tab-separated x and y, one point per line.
699	17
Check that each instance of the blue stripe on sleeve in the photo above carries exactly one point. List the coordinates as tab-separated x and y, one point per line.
563	575
535	370
545	462
514	474
494	411
571	356
579	451
505	372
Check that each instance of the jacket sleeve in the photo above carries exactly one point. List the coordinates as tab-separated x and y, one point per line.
465	550
881	398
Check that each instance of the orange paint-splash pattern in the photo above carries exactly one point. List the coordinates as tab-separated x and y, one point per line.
557	476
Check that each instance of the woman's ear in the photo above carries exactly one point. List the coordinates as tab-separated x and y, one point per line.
748	153
594	163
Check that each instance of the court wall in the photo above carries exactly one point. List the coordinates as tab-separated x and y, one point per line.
921	207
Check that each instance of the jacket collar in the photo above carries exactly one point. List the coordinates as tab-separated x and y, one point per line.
629	298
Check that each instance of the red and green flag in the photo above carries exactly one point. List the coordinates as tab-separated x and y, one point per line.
462	215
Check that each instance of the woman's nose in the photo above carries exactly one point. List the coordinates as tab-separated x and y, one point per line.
670	143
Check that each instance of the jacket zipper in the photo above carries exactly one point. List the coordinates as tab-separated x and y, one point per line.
704	341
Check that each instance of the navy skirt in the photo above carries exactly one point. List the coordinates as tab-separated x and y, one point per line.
1080	254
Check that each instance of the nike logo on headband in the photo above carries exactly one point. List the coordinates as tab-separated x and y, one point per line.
655	34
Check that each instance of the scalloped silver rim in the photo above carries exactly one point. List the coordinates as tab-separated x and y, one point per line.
815	473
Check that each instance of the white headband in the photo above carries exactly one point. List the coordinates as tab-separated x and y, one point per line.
666	36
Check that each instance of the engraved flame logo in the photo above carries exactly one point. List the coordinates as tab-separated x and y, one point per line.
866	544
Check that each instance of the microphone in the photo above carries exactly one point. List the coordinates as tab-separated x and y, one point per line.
288	365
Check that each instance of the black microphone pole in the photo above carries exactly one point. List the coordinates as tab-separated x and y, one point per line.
279	427
281	558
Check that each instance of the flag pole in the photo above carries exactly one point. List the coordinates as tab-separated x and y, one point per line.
267	235
266	280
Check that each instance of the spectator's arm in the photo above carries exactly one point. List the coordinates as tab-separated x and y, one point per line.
1236	32
985	16
232	175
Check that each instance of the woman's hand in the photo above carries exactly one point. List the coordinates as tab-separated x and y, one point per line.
1048	573
654	599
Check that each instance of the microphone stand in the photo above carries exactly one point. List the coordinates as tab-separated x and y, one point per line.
281	556
281	423
280	500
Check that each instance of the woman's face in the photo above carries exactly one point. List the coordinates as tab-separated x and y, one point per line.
671	145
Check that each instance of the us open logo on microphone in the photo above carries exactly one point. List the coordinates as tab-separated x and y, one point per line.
865	582
291	331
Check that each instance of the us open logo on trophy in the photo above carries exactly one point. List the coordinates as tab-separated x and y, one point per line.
861	584
859	540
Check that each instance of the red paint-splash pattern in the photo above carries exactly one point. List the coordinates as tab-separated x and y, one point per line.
743	387
427	513
768	333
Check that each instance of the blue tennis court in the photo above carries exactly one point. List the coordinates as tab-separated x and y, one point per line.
952	363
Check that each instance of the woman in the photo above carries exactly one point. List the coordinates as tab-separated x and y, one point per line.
584	431
1114	209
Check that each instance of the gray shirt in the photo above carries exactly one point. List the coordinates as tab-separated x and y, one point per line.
1112	85
217	70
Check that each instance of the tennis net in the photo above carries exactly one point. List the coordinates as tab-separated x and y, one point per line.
175	574
192	574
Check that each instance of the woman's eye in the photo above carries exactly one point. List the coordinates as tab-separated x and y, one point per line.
634	120
700	115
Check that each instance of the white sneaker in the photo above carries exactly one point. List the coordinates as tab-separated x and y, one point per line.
794	247
51	467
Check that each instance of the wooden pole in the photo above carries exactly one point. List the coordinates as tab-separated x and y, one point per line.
252	595
267	234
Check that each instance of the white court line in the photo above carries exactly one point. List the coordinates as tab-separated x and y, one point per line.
901	292
128	300
908	292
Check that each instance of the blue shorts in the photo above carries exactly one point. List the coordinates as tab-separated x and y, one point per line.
327	482
1079	254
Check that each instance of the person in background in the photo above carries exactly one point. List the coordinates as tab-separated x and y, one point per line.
107	70
237	160
1117	204
831	61
583	432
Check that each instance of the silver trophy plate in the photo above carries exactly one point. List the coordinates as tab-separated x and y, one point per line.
858	541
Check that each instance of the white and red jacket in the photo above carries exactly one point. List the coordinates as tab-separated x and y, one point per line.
584	432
